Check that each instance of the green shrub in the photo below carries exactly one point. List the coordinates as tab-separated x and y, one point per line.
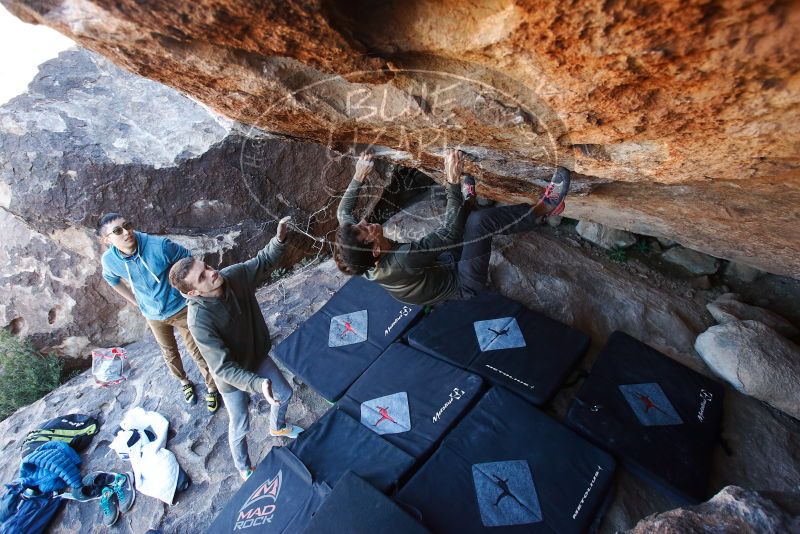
619	255
643	246
25	375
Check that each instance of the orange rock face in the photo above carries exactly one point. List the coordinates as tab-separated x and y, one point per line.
680	118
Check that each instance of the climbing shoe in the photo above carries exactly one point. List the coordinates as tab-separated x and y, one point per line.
108	507
124	490
245	473
212	401
468	189
556	191
188	393
289	431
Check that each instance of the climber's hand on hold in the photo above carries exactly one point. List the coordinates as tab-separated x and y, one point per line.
364	166
283	228
453	165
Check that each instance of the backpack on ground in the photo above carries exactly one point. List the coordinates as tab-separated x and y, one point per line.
25	511
76	430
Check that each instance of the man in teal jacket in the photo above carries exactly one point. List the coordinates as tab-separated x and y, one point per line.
142	261
226	321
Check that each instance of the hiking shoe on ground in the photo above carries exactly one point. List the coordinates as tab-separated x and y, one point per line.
94	482
212	401
245	473
124	490
556	191
188	393
108	507
289	431
91	488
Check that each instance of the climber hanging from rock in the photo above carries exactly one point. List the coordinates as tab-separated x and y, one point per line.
418	272
227	323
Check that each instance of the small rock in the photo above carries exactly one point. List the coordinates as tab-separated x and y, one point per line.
666	243
733	509
554	221
742	272
693	261
605	236
727	310
756	360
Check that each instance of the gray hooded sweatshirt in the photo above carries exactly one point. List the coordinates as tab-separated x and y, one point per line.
230	331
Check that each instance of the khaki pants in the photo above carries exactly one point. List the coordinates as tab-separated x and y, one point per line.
165	337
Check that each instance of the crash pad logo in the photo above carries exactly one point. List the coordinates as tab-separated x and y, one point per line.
260	506
387	415
650	404
348	329
496	334
506	493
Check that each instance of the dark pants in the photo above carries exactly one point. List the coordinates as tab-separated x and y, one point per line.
481	226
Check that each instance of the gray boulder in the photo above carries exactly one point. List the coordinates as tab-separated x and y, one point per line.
605	236
695	262
755	360
742	272
666	243
87	138
727	309
733	509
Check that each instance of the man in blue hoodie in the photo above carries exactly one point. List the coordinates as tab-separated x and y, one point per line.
142	262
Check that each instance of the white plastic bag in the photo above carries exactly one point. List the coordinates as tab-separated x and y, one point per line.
110	366
155	468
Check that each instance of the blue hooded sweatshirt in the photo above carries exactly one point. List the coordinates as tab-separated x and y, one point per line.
147	273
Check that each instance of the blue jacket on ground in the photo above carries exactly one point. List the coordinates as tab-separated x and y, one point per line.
51	467
147	273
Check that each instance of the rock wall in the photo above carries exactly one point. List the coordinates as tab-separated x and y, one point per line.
89	138
678	116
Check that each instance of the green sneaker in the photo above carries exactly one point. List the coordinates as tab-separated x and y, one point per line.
188	393
108	507
212	401
124	490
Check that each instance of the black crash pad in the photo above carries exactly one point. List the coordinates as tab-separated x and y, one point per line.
410	398
660	418
504	342
337	443
331	349
507	467
355	507
280	496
